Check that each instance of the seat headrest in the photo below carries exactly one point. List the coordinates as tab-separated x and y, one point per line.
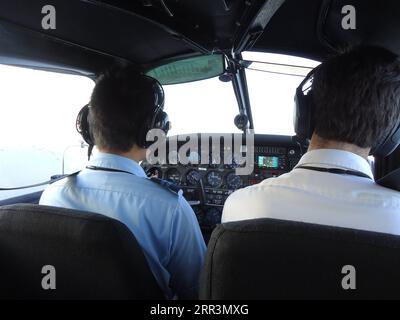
95	257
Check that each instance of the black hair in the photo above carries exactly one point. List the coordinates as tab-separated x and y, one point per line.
357	96
120	106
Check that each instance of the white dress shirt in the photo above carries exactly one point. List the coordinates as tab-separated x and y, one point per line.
163	222
319	197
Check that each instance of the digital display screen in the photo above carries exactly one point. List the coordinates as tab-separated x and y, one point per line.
268	162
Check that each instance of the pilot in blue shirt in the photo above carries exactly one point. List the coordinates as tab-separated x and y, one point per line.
124	107
162	221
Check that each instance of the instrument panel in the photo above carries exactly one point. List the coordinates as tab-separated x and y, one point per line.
207	184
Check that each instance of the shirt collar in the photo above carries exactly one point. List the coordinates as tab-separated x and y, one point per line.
332	158
113	161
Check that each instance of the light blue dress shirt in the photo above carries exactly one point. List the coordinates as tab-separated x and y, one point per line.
163	222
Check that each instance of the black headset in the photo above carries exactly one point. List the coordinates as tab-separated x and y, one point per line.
303	116
304	120
158	120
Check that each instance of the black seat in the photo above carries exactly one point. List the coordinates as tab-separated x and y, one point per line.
275	259
94	257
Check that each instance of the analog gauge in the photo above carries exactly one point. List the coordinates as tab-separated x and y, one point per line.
154	172
214	179
213	217
173	175
233	181
193	177
194	157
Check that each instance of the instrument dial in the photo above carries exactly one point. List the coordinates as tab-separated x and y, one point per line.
193	177
154	172
214	179
233	181
173	175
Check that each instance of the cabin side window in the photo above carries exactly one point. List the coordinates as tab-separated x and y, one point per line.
38	139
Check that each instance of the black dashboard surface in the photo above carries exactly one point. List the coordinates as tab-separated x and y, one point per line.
205	167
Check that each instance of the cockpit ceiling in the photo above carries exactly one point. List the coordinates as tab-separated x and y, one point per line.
90	35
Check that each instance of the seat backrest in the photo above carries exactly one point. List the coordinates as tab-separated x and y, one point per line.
94	257
275	259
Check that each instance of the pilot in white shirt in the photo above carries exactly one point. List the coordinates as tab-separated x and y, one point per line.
356	104
321	197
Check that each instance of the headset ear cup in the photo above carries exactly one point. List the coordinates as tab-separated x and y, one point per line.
297	114
160	121
158	104
304	110
303	115
82	125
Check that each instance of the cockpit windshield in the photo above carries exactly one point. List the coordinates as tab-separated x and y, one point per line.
210	105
